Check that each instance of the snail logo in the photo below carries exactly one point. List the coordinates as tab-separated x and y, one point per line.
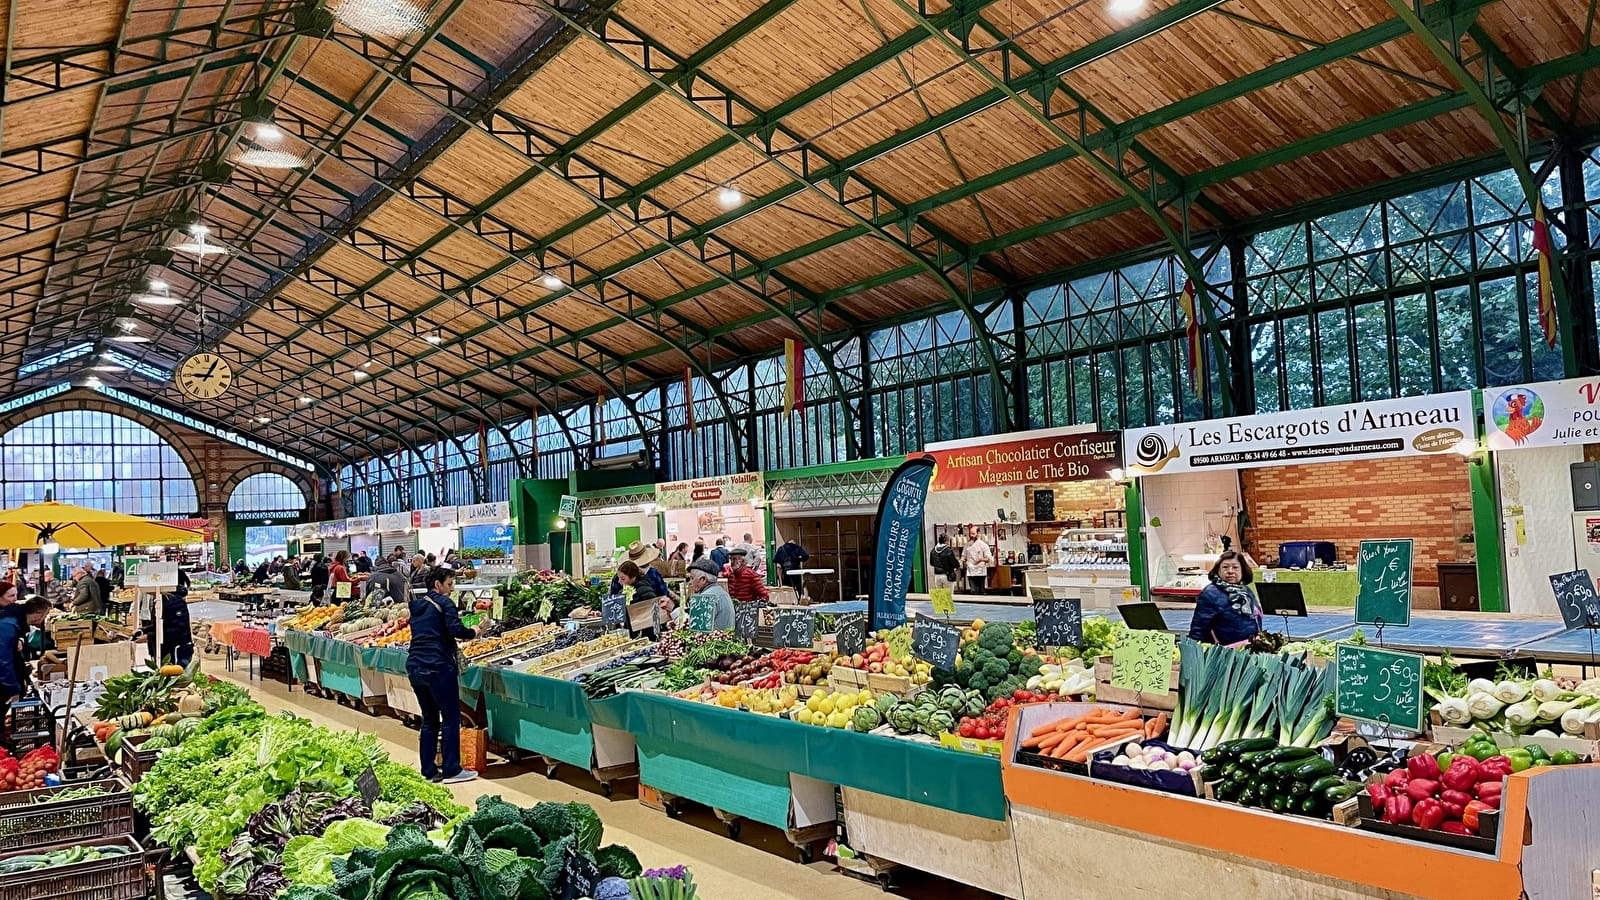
1153	453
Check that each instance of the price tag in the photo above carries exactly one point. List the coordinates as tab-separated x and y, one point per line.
341	591
793	628
944	601
498	611
1381	686
613	609
852	633
1384	573
703	613
1059	622
367	784
1142	661
744	620
934	642
1575	596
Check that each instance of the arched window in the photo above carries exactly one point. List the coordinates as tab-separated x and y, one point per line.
95	459
267	492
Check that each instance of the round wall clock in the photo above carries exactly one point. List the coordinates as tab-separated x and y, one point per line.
204	376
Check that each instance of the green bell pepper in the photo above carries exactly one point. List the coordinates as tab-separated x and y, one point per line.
1480	748
1536	751
1444	760
1520	758
1565	758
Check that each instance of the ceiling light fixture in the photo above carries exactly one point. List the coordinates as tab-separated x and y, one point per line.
551	280
382	18
1125	8
307	400
157	294
433	339
263	145
129	333
196	244
263	419
107	366
728	195
358	374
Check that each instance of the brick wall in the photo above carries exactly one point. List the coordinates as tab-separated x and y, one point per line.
1348	502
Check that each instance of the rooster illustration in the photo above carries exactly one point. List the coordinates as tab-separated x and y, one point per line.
1518	424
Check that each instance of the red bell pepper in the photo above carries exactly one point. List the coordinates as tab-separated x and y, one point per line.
1423	766
1454	802
1469	816
1449	827
1422	789
1489	792
1379	792
1397	779
1427	814
1464	772
1398	810
1495	768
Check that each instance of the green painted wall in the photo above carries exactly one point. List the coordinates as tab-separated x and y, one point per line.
534	502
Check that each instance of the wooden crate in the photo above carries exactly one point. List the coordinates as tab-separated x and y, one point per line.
1105	693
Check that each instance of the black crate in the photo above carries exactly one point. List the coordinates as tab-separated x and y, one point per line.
26	822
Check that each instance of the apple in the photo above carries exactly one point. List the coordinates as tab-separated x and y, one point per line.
875	667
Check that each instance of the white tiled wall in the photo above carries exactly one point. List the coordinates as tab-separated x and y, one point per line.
1187	507
1538	481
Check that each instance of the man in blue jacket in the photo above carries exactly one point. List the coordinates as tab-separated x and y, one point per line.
431	668
13	629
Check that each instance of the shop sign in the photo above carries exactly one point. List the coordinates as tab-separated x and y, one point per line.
899	528
1064	457
437	517
332	529
1547	414
722	490
394	523
1408	426
568	508
306	531
361	525
485	513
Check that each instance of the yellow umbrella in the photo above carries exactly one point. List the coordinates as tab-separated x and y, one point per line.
79	527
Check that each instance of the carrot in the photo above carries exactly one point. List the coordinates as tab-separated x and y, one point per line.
1043	730
1081	752
1061	750
1157	726
1032	743
1069	724
1049	741
1112	730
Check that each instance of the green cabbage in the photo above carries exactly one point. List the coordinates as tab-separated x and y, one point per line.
309	860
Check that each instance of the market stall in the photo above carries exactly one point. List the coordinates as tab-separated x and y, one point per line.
1047	505
830	512
724	507
611	519
1299	490
438	530
486	532
394	530
362	532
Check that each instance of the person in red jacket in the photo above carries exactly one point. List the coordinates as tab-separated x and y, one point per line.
744	585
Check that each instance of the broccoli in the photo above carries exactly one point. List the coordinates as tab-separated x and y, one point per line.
995	637
551	821
1014	657
618	861
1029	666
978	683
995	670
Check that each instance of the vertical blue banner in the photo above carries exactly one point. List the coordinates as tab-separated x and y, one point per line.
899	528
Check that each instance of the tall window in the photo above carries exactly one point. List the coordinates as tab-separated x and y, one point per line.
98	460
267	492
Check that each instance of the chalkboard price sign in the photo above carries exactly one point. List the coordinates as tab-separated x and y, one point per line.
1381	686
1575	596
1059	621
744	620
1384	573
935	642
613	609
793	628
702	613
368	786
851	629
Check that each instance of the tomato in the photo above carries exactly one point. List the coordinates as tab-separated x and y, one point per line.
966	729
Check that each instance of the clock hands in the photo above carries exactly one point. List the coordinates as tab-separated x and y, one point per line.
214	364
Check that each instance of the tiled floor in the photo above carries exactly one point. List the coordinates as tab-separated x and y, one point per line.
760	865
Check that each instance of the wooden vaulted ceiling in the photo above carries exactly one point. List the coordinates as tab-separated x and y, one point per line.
518	205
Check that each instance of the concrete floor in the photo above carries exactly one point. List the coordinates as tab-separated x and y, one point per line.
758	866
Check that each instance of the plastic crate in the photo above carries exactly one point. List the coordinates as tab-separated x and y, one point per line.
31	715
134	761
116	878
25	825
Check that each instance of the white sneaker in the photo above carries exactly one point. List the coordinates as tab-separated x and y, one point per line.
460	777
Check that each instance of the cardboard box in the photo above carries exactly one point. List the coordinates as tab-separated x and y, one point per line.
971	745
97	662
1105	693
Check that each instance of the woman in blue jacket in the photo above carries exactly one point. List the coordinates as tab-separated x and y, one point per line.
431	667
1227	611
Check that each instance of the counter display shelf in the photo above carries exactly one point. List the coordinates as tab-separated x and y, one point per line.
966	849
1320	587
1162	844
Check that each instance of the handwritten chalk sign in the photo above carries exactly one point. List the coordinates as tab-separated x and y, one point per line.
367	785
1377	685
851	632
744	620
1575	596
793	628
341	591
943	600
1142	661
1384	573
1058	622
613	609
702	613
934	642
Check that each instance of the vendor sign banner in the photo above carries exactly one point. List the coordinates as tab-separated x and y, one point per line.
1408	426
309	531
437	517
331	529
485	513
722	490
361	525
899	527
1547	414
1068	457
394	523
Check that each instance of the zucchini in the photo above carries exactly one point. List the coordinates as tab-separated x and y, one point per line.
1337	795
1312	805
1299	789
1282	769
1322	784
1254	759
1280	803
1247	797
1312	769
1241	775
1230	750
1284	754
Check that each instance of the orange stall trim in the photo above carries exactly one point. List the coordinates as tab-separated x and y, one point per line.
1293	842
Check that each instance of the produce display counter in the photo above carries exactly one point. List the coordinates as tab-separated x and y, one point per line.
552	718
1579	646
1478	635
1331	587
973	850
